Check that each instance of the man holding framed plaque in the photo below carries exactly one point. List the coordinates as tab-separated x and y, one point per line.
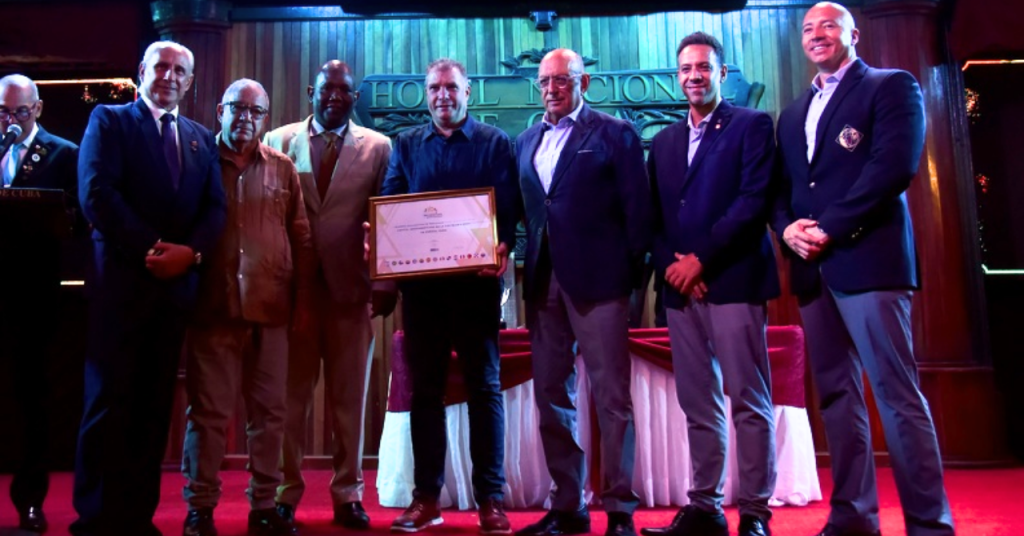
455	311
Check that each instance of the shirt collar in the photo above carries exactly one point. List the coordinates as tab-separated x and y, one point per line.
703	122
315	129
467	129
832	79
27	142
224	149
573	116
157	111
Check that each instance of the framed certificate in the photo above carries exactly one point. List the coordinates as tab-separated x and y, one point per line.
432	233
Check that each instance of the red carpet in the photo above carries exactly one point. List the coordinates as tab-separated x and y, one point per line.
985	503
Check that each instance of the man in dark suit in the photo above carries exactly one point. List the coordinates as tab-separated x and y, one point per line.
850	147
31	288
710	174
588	213
149	182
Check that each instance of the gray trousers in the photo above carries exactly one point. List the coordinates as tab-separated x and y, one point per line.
224	358
711	344
342	338
555	323
848	334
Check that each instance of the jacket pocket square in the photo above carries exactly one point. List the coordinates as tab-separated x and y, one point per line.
849	138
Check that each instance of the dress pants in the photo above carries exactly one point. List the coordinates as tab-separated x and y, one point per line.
340	337
848	334
556	321
131	366
459	313
27	327
712	343
224	358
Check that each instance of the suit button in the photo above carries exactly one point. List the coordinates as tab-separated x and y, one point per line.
811	185
682	202
547	202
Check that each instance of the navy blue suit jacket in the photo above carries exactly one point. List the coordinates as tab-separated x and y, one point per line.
597	213
717	208
127	194
869	143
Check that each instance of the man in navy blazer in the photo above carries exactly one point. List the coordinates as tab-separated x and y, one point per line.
588	213
149	182
710	176
849	147
30	297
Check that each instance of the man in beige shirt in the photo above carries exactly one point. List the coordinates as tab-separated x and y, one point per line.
238	340
340	165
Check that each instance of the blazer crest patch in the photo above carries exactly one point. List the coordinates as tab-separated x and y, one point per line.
849	138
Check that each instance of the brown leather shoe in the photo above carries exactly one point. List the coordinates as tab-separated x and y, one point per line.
493	519
422	513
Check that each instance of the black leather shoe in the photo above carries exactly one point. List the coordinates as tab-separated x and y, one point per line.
692	521
832	530
620	524
287	513
557	522
199	522
32	519
754	526
267	522
351	515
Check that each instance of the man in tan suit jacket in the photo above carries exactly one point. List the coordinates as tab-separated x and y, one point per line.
340	166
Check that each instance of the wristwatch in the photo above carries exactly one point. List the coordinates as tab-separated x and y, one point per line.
198	256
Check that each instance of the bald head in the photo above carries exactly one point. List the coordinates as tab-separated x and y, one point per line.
333	94
563	83
829	36
19	104
242	113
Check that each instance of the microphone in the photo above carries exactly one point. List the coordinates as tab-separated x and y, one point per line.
13	132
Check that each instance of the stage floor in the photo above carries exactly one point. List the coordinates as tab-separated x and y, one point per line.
986	502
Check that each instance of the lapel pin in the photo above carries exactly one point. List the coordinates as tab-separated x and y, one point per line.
195	145
35	157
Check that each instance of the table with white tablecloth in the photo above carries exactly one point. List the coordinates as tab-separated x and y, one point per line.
662	472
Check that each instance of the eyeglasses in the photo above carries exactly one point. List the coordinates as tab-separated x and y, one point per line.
23	113
240	109
560	81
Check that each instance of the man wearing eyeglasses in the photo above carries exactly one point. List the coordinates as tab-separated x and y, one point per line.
31	271
238	339
588	212
341	165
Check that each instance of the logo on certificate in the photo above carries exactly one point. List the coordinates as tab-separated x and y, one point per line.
432	212
849	138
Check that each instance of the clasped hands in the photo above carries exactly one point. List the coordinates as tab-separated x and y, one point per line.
805	238
684	275
166	260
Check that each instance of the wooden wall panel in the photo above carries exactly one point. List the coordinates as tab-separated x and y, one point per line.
285	55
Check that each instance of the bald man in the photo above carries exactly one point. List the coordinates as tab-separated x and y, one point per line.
588	208
36	159
341	165
238	339
850	146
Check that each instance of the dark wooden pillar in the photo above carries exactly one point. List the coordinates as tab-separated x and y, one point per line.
200	25
949	315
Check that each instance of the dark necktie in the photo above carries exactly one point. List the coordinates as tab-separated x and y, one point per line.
170	145
327	161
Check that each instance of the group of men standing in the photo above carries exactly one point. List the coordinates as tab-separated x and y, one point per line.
250	254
